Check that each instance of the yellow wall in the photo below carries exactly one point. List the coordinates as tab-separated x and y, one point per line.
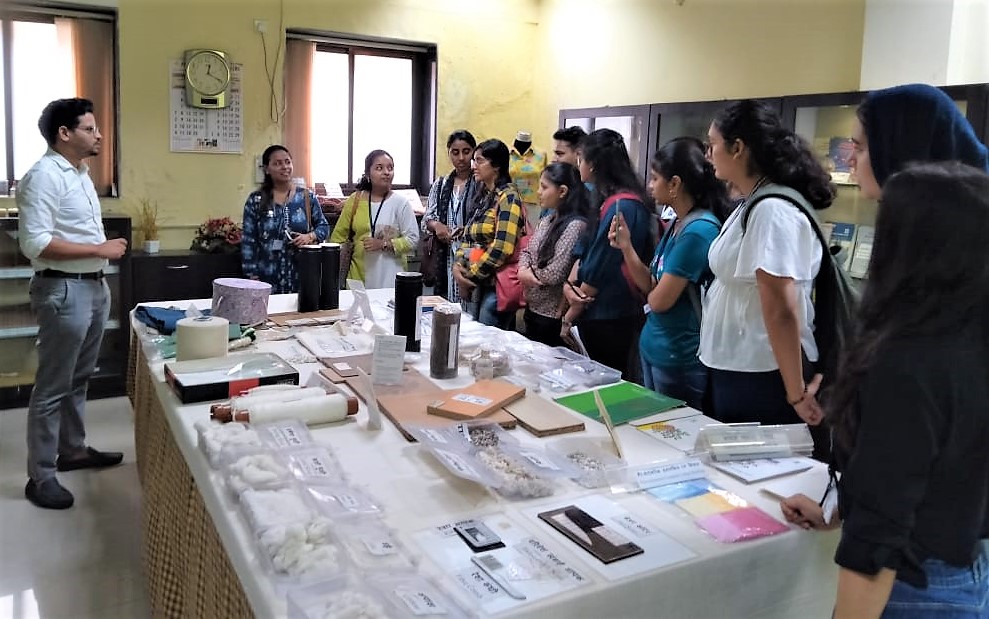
503	65
482	44
627	52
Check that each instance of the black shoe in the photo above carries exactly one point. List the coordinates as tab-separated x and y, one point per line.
48	494
92	460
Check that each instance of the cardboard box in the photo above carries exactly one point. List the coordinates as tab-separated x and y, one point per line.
224	377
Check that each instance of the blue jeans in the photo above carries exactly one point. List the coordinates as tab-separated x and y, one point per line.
952	593
683	383
488	313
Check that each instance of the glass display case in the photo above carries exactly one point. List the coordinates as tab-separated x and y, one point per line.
18	329
826	122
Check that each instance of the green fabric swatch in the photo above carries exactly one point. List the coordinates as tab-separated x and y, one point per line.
625	402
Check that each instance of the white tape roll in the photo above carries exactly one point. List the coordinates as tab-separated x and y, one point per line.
201	338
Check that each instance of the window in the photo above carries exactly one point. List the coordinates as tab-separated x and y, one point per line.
367	95
50	54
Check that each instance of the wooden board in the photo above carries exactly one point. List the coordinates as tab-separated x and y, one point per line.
364	362
477	400
543	417
410	408
307	319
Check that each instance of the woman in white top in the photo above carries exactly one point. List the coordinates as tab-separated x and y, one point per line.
380	222
757	330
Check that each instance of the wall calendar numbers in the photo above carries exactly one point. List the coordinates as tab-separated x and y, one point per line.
196	130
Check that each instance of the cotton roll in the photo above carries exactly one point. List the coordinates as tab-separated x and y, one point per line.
245	402
201	338
310	411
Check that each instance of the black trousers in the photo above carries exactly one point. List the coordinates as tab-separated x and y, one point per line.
539	328
610	342
761	396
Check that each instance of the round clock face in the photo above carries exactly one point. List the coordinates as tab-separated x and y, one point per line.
208	73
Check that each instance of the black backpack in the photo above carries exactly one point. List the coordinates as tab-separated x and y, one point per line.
835	299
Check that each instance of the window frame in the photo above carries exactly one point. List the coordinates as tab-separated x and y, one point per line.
46	13
424	88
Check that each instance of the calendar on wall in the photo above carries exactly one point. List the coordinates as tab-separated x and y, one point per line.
196	130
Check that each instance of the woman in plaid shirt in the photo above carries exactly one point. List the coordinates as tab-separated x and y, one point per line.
491	234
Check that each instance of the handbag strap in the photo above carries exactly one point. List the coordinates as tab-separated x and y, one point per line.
308	210
353	211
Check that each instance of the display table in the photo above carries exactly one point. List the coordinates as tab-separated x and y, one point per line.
200	559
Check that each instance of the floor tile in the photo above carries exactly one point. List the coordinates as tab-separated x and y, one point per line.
84	561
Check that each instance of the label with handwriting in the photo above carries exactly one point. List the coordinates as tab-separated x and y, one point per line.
318	466
418	601
379	545
285	435
478	584
536	550
636	527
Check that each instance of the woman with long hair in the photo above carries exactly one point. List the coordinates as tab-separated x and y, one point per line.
679	177
491	235
278	218
546	262
912	452
604	301
450	199
757	331
382	224
908	410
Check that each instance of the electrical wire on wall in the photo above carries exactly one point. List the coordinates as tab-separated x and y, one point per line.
275	111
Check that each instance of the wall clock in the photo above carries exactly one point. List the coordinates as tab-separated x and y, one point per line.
207	78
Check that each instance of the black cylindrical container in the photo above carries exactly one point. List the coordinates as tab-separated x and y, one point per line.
308	263
408	308
329	290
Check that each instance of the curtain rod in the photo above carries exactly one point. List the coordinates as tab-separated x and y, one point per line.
56	11
353	41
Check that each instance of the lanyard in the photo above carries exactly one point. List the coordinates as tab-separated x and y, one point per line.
381	205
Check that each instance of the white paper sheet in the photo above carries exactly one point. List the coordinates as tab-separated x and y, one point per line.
762	469
680	433
541	570
660	550
813	483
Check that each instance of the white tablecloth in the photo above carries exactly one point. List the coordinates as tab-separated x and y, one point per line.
789	575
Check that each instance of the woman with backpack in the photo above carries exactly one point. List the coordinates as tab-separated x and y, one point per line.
679	177
757	331
603	300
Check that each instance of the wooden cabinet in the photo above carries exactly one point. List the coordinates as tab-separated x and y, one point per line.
19	330
179	274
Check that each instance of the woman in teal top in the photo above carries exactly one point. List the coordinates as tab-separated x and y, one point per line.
682	178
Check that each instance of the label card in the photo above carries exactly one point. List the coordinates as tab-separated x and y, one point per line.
388	359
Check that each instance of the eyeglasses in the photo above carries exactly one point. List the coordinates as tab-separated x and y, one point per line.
89	130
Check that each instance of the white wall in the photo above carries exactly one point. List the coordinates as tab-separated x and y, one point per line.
968	53
940	42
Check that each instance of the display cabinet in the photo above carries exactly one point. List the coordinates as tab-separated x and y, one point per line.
631	121
826	121
19	330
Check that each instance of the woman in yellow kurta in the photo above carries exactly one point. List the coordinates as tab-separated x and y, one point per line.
380	222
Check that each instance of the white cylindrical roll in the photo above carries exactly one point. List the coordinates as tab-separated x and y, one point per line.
311	411
245	402
201	338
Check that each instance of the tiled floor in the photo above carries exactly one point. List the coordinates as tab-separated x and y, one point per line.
84	562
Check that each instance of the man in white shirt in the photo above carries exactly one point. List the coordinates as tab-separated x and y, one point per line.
61	230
